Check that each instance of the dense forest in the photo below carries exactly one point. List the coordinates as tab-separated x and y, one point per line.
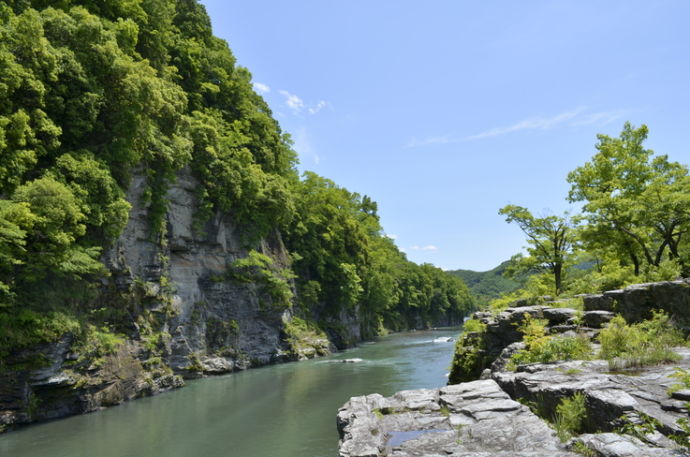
486	286
95	93
632	228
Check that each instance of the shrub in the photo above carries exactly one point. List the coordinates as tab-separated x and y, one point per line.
646	343
544	349
570	417
272	279
474	326
303	335
468	360
26	328
643	425
683	376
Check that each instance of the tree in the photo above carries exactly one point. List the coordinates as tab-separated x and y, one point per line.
550	239
635	204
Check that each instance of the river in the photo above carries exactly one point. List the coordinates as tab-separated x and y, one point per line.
285	410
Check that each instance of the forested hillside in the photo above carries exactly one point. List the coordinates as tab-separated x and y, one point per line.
488	285
148	196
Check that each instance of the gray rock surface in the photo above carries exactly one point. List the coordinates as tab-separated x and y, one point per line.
615	445
612	399
483	418
637	301
471	419
597	319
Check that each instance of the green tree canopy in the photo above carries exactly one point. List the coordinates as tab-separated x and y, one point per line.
550	240
634	203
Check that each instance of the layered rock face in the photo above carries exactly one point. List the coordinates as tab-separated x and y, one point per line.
636	302
184	318
501	337
638	402
473	419
215	325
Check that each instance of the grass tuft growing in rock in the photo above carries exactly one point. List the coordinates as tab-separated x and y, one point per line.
569	418
646	343
571	414
683	376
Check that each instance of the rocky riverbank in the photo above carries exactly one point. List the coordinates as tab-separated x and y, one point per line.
627	415
636	412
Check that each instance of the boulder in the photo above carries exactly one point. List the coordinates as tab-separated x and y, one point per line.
557	316
469	419
597	319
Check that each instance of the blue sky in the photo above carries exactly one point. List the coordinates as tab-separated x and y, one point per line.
445	111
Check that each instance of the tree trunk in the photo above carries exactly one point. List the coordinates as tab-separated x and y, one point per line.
557	271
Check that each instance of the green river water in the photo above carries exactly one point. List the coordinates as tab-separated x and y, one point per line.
285	410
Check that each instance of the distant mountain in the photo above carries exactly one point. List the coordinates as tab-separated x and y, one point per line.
487	285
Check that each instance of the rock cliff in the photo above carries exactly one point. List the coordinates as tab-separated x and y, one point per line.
183	318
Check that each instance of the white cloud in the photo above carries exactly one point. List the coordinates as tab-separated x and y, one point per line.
318	107
391	236
298	106
576	117
532	123
261	88
414	143
428	247
295	103
601	118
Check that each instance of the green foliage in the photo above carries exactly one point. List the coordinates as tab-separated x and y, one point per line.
536	287
582	449
683	377
636	205
642	344
261	269
302	334
26	328
550	240
345	264
544	349
99	342
571	416
474	325
233	181
683	438
99	100
488	285
643	426
635	214
468	359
